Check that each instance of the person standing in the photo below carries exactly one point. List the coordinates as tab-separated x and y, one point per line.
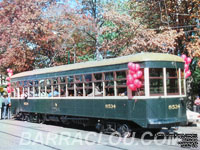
5	105
8	107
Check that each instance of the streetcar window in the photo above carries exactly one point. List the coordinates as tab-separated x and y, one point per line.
98	84
88	77
156	81
35	88
16	89
12	89
55	87
30	88
172	81
36	83
70	81
21	84
109	84
121	86
25	88
62	79
182	82
63	90
55	81
140	91
42	88
109	76
48	81
49	90
98	76
98	88
62	85
88	84
79	85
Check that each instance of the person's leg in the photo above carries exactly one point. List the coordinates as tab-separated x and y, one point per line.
9	116
0	113
4	112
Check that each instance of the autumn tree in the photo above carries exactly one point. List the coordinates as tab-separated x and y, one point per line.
174	14
125	35
24	33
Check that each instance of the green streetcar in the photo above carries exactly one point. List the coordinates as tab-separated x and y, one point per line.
95	94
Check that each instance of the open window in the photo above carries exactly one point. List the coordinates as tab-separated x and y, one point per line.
88	84
49	89
121	86
35	88
42	88
55	87
13	86
62	84
109	83
79	85
30	84
140	91
70	85
98	84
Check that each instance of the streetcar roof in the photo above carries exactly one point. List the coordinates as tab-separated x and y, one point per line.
140	57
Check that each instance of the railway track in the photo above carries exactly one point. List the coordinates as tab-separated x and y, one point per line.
59	134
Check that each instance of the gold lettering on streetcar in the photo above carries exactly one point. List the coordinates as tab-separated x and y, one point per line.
110	106
26	103
175	106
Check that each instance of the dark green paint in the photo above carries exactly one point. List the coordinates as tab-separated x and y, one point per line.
146	113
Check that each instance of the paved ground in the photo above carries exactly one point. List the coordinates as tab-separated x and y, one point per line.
19	135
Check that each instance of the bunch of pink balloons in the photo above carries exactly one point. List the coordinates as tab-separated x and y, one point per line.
187	60
134	76
10	73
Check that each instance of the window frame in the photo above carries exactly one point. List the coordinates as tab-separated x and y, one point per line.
147	83
163	78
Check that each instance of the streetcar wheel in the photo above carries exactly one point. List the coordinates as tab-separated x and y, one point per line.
100	128
22	117
41	119
27	118
30	118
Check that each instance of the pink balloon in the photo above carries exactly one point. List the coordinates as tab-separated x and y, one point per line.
131	72
10	74
132	87
139	84
139	74
8	70
8	78
188	73
11	71
130	79
184	57
129	65
8	89
133	67
186	66
189	60
135	76
137	67
136	82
